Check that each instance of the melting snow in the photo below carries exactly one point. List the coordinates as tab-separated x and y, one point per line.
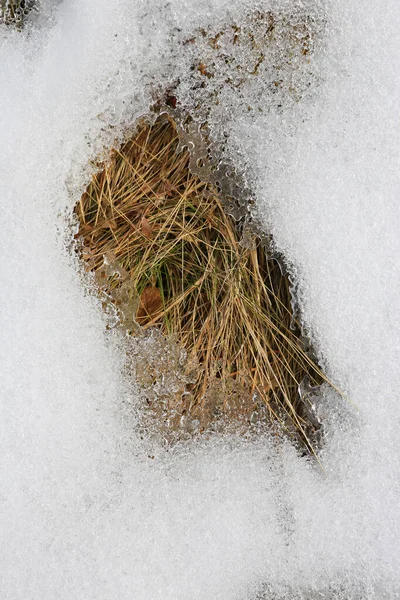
85	512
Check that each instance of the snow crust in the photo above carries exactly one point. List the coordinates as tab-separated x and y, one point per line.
90	510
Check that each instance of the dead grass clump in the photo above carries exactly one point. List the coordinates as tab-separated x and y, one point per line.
211	317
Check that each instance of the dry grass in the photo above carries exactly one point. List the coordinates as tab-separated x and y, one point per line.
170	258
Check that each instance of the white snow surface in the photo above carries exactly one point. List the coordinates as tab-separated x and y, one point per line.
85	512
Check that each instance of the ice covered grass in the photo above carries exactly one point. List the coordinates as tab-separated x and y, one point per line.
84	511
13	12
167	256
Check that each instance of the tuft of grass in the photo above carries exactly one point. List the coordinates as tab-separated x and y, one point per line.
171	260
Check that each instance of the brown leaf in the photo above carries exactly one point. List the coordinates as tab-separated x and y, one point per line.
150	305
171	101
146	188
169	189
202	68
147	229
111	224
84	230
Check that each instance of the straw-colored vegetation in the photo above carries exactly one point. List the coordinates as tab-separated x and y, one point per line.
212	317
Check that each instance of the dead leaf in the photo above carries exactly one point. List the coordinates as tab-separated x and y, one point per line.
202	69
111	224
169	189
145	188
147	229
171	101
84	230
150	305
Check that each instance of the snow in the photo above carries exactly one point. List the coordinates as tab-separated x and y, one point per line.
85	511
